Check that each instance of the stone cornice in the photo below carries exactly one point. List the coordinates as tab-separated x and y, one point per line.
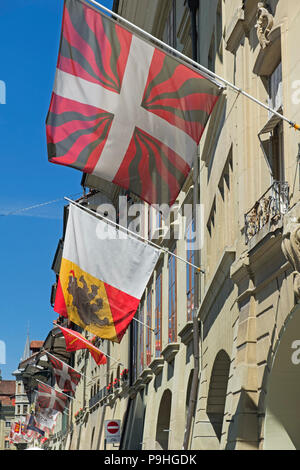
236	30
186	334
157	365
170	351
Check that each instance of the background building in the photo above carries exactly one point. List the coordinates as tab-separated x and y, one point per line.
7	411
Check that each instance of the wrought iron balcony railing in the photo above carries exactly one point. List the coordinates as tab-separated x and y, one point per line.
269	209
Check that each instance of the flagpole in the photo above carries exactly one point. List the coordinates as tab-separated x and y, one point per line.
43	383
160	248
195	64
47	352
144	324
90	379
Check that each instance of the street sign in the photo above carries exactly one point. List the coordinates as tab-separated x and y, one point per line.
112	431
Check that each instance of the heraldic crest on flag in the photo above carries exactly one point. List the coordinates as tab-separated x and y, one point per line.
108	264
124	110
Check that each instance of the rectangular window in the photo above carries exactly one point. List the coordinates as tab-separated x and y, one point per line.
141	336
212	54
171	26
190	271
275	89
135	345
149	325
158	314
277	153
172	336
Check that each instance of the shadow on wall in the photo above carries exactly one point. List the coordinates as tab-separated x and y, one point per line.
282	421
163	420
244	423
217	392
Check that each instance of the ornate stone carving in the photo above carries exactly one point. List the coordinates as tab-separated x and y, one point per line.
264	24
291	250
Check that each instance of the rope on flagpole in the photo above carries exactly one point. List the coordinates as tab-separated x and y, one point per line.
36	206
195	64
160	248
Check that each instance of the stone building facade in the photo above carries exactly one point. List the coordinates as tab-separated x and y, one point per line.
7	411
246	383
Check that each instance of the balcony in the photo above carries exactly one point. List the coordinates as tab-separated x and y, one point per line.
268	210
97	398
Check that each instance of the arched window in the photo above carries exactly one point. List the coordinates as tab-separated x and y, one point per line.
163	420
217	392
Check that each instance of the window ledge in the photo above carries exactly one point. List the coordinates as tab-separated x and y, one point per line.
269	57
147	375
170	351
139	384
132	392
186	334
157	365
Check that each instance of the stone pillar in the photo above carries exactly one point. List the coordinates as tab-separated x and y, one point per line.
243	432
291	249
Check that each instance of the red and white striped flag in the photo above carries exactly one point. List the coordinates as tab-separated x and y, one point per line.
124	110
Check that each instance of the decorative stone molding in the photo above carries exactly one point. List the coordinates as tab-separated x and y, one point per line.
269	57
124	389
157	365
264	24
235	30
139	384
291	250
132	392
147	375
186	334
170	351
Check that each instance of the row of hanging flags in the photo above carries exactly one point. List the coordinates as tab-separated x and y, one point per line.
35	426
132	114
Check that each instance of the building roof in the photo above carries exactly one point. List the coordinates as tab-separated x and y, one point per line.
7	387
7	392
7	401
36	344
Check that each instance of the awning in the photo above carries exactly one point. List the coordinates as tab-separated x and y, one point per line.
271	124
55	343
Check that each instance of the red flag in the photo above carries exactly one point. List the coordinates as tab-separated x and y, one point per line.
124	110
49	398
75	341
66	378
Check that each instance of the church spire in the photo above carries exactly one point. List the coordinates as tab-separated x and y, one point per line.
26	353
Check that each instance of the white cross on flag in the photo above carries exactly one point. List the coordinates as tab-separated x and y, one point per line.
66	378
49	398
124	110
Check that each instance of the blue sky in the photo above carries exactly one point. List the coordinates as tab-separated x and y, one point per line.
29	41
